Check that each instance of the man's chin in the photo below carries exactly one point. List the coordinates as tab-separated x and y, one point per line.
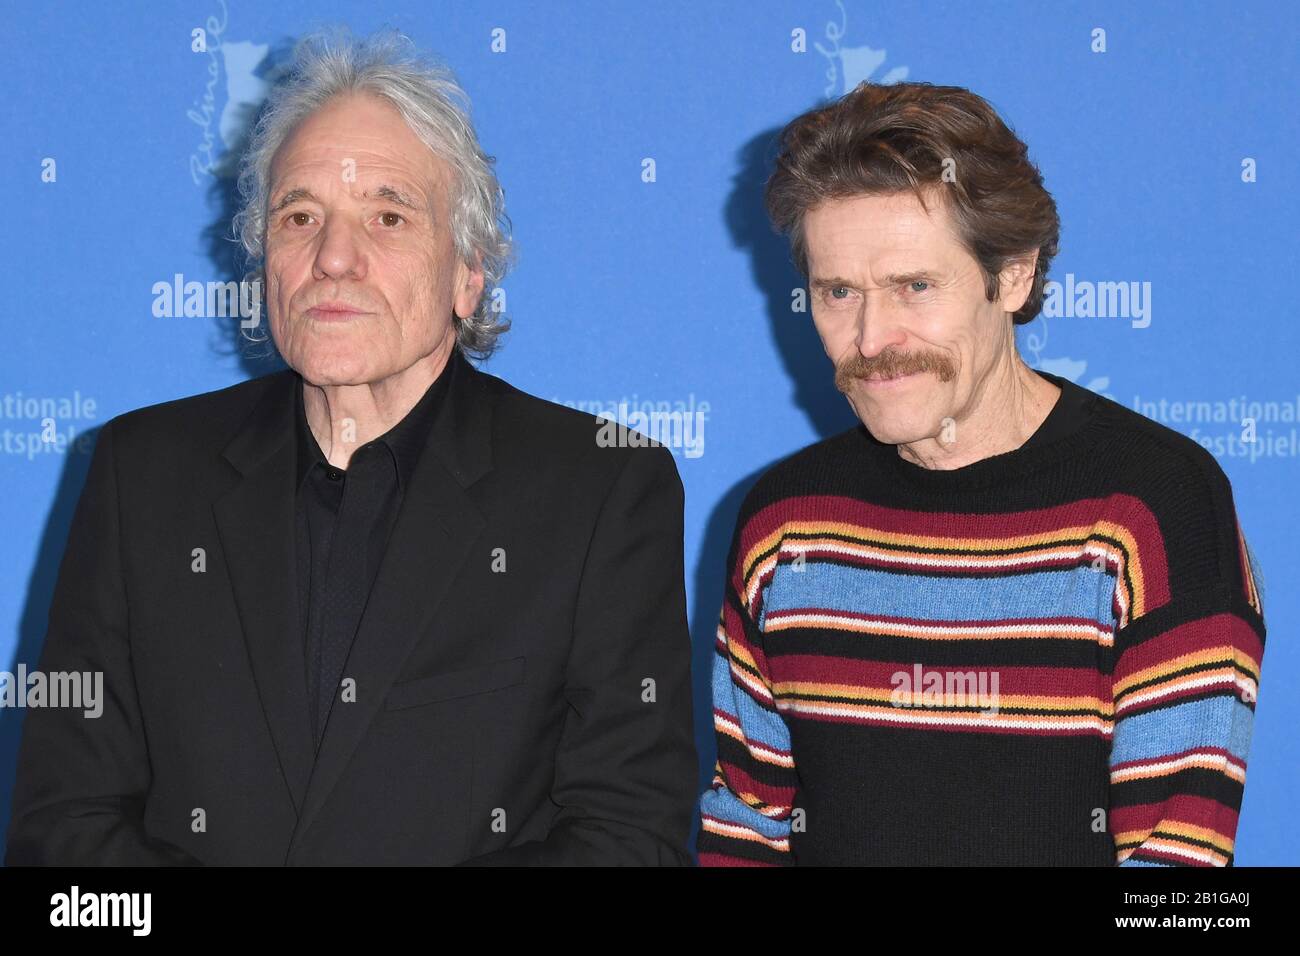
890	435
325	370
887	427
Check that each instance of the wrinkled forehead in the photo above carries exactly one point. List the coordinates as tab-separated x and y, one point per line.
357	140
880	233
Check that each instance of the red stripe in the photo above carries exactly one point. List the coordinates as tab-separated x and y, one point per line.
1207	633
738	782
1038	681
1186	808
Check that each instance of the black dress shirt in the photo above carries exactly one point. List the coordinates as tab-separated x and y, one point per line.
344	518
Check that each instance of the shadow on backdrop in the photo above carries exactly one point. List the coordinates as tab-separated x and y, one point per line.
810	373
252	349
36	606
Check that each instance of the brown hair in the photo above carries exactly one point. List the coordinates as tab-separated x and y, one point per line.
881	139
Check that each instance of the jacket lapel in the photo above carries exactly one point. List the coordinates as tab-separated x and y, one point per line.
435	530
258	535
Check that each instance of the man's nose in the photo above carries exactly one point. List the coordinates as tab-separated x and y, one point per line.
877	330
339	254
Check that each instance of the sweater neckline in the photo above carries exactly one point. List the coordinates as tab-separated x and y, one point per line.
1031	456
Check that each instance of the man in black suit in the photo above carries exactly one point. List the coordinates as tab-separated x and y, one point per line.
380	608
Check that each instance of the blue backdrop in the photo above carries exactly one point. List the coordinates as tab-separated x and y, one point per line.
1167	133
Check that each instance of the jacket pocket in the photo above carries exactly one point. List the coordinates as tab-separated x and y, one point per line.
479	679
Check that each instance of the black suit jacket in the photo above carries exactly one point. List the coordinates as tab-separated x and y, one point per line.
521	670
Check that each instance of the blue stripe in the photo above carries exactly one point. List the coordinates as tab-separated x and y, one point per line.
725	805
1074	592
1222	721
756	723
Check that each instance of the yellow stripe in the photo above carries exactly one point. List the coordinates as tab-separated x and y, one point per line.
1211	655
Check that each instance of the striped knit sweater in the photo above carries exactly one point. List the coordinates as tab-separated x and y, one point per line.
1047	657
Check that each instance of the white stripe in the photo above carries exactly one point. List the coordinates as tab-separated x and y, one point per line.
908	716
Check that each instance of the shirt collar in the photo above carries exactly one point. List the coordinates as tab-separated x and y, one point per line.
405	440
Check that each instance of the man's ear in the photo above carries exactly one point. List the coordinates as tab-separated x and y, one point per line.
469	288
1016	280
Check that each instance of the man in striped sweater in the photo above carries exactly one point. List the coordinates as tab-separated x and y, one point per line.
1007	620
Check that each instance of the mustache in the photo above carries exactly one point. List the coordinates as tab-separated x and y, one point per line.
891	363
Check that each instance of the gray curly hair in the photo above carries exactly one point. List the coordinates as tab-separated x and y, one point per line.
332	62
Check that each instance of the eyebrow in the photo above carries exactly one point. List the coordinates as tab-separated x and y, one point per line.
895	278
393	195
302	194
297	194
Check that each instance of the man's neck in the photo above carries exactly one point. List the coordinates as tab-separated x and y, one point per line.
1008	407
345	417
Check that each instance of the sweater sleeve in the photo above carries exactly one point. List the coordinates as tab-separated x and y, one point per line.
1184	690
745	816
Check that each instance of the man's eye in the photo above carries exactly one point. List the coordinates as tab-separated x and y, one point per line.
294	218
912	286
385	218
837	290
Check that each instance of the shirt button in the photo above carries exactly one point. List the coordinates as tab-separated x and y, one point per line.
334	474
